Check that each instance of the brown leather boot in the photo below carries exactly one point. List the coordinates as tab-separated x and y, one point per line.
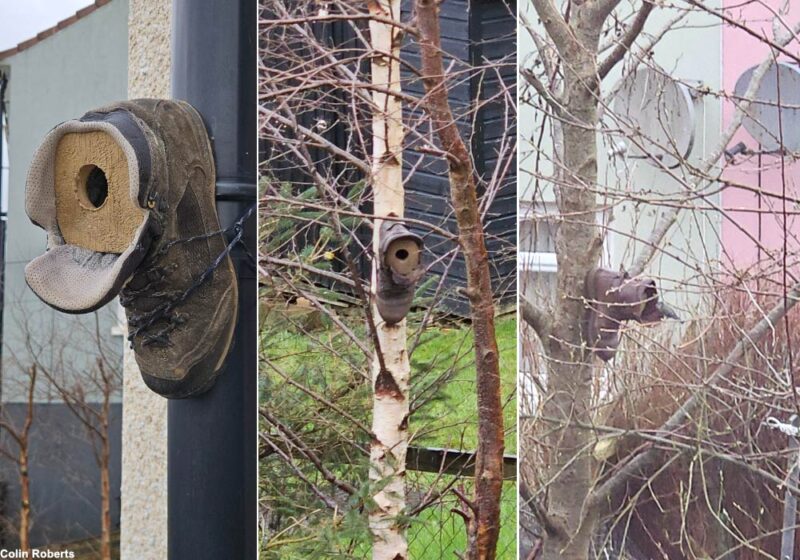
126	194
613	298
182	301
88	187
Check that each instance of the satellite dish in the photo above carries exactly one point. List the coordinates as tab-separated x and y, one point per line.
656	114
778	94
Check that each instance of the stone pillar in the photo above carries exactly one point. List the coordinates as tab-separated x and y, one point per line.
144	420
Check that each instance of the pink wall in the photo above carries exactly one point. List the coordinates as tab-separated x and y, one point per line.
742	231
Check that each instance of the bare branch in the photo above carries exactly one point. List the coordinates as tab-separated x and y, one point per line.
624	44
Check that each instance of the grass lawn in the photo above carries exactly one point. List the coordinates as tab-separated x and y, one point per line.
439	533
443	375
453	415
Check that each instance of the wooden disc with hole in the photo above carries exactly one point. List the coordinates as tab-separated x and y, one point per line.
92	186
403	255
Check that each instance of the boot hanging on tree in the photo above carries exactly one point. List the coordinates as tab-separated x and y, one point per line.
399	270
613	298
126	195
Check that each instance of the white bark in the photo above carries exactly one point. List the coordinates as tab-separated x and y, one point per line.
390	404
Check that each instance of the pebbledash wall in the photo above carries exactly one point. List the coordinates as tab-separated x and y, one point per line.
144	424
57	76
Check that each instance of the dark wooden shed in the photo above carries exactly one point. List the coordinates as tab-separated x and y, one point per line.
479	39
477	34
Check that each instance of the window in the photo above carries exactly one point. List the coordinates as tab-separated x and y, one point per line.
537	250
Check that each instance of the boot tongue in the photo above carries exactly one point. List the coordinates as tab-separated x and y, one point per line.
73	279
85	188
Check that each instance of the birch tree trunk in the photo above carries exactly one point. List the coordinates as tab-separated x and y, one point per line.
390	367
484	524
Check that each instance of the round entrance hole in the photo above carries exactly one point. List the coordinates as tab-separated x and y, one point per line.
401	254
92	186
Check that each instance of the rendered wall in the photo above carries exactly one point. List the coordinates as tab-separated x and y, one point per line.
81	67
65	478
690	52
754	225
144	424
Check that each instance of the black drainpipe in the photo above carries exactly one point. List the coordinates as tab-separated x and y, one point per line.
3	220
212	458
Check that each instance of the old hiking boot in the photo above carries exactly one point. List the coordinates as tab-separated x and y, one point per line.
181	328
88	187
126	195
613	298
399	270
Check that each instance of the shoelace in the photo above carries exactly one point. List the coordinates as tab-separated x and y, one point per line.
140	325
